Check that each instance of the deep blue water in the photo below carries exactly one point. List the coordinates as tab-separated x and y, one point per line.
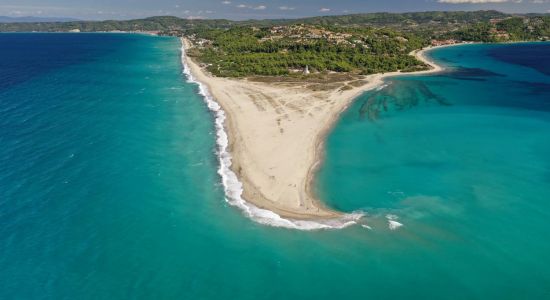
534	56
26	58
109	190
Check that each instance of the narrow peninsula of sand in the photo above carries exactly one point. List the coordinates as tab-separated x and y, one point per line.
276	132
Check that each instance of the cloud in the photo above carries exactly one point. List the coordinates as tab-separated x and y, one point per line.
286	8
226	2
471	1
324	9
259	7
488	1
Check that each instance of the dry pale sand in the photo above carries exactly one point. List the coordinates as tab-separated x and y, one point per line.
276	133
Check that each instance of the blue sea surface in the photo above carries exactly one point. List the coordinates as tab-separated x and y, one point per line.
462	160
109	190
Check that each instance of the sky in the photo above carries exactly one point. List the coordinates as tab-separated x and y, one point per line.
248	9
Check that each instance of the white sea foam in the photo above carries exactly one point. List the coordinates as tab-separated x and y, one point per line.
383	86
366	227
233	187
392	223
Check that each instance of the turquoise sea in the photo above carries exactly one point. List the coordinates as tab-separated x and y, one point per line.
109	186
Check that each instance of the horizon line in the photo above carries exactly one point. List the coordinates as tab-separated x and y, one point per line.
259	19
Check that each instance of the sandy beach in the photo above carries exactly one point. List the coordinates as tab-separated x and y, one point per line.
276	132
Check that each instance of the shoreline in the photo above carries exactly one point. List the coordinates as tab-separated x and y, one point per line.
276	179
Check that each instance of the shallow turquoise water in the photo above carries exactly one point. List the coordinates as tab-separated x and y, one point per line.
108	185
462	159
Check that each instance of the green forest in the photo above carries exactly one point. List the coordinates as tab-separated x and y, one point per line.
240	52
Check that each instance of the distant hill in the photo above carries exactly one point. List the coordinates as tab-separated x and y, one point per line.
395	19
31	19
465	25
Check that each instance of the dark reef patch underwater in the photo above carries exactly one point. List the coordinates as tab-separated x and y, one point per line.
404	96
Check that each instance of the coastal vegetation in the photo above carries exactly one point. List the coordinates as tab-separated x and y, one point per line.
359	44
284	50
507	29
